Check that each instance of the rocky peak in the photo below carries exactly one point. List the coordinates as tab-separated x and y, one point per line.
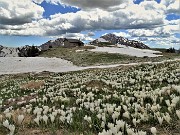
52	44
113	39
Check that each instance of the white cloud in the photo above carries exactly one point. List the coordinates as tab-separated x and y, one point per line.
168	29
161	31
153	5
172	6
122	34
82	37
134	16
18	12
159	42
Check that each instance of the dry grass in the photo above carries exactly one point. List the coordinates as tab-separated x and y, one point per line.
96	84
27	117
34	132
88	47
32	85
18	99
46	132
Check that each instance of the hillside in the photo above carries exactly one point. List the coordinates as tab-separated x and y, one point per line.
113	39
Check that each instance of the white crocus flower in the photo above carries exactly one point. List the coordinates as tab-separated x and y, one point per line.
110	125
130	131
1	118
12	129
134	121
110	110
37	120
52	117
167	117
20	119
160	119
167	103
88	119
6	123
126	115
8	115
99	116
119	133
178	113
153	131
102	124
121	124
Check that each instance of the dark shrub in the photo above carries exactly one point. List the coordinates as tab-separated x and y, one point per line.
171	50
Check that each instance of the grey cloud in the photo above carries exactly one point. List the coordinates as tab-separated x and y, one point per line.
91	34
90	4
15	21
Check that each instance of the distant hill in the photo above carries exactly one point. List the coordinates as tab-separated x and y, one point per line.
113	39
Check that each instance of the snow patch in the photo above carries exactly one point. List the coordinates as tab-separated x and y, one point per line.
102	40
121	49
13	65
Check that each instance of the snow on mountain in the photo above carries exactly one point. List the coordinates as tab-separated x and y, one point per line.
102	40
113	39
121	49
8	52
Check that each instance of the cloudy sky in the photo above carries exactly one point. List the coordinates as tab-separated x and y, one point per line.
154	22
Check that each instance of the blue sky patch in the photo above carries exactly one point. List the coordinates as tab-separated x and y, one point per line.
51	9
172	17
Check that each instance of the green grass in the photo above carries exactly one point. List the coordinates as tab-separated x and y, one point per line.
88	58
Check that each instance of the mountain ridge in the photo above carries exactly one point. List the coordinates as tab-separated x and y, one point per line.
113	39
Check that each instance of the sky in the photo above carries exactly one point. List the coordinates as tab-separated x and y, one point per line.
34	22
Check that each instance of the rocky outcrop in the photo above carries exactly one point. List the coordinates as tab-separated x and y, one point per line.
52	44
113	39
8	51
25	51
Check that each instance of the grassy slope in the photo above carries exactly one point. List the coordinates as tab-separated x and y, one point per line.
87	58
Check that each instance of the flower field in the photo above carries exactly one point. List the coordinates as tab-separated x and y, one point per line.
133	100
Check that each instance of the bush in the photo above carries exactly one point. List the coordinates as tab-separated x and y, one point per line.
171	50
30	51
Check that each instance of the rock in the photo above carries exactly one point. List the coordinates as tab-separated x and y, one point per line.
113	39
8	51
52	44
